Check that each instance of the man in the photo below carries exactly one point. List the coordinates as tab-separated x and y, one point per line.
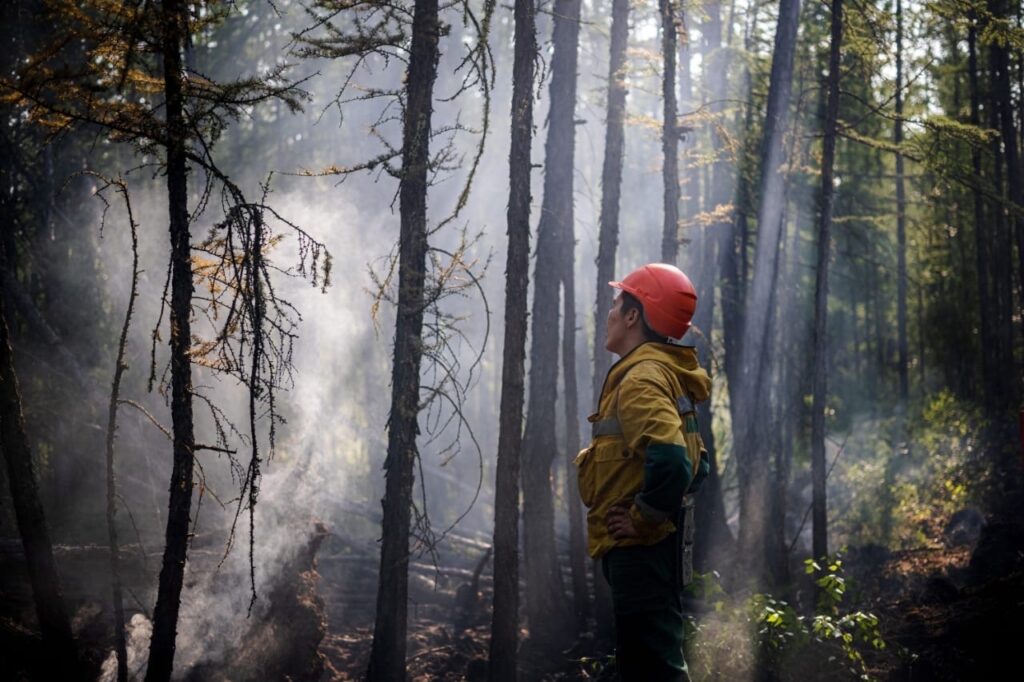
646	453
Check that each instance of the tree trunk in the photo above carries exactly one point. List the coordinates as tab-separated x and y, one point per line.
730	276
577	533
505	617
981	230
566	40
119	367
1003	101
753	462
819	517
608	241
545	601
54	623
716	539
688	101
669	134
387	656
1002	262
611	188
901	218
165	616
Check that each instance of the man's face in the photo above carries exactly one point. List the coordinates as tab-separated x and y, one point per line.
615	327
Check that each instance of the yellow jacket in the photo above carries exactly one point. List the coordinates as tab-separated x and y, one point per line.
640	392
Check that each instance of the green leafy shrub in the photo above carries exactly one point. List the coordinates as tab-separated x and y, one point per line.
727	643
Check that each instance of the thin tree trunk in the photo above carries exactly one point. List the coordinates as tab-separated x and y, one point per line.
881	356
54	623
577	534
115	390
608	239
165	616
688	102
819	505
505	616
545	600
611	187
901	218
567	34
387	656
753	462
669	134
920	337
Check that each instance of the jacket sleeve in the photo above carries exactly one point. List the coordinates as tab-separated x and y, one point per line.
703	469
651	424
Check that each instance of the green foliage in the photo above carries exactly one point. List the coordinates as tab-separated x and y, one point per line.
898	489
724	643
596	667
845	630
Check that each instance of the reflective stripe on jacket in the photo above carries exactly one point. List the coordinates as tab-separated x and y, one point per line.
641	392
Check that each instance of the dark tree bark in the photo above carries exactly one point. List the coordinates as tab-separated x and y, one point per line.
560	162
920	336
577	533
545	600
731	248
1001	256
901	218
505	617
1003	102
174	22
819	500
716	539
753	463
608	241
878	336
54	623
669	134
387	655
611	187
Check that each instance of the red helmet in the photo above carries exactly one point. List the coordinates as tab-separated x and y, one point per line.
667	295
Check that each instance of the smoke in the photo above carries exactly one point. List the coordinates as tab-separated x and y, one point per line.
329	452
140	629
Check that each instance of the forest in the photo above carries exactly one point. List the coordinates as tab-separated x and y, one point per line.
326	406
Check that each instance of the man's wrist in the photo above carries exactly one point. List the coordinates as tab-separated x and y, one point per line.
647	514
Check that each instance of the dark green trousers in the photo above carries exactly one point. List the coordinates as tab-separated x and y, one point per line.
648	612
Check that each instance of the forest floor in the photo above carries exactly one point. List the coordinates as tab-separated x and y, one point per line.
949	611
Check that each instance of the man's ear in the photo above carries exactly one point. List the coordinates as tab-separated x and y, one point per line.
632	317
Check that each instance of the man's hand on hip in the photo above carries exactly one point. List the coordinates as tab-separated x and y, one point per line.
620	525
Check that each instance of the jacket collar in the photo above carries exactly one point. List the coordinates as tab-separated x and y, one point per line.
682	360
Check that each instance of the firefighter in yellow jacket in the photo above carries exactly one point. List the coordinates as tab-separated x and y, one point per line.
644	459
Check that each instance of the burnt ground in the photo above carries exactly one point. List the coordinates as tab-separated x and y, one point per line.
951	611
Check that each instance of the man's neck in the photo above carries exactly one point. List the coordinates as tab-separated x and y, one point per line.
631	346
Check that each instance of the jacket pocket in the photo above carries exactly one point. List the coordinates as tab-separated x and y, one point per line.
606	472
585	475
